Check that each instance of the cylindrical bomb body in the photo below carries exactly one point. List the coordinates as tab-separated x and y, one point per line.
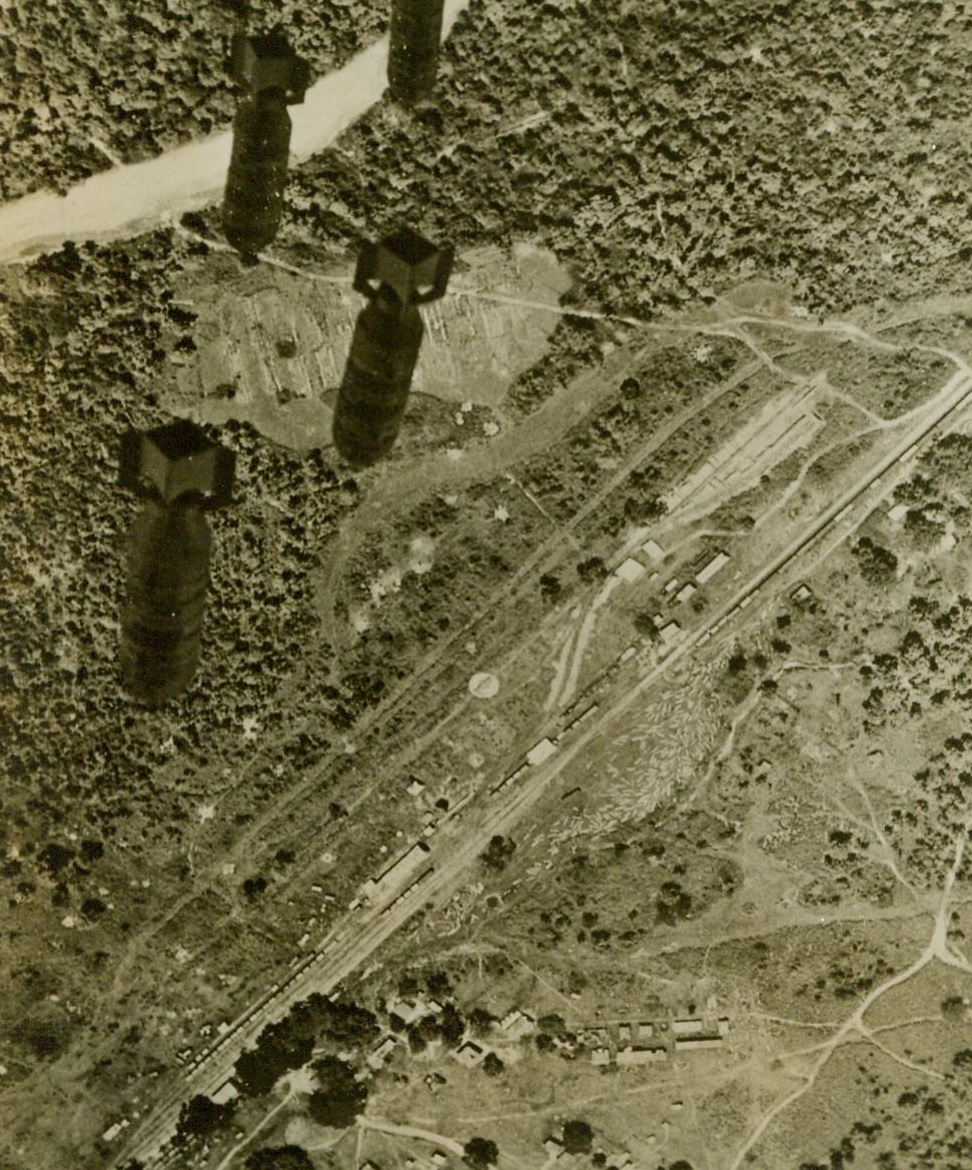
253	201
374	390
168	573
413	54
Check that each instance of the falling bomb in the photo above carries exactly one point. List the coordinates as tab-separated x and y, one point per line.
398	274
180	474
275	77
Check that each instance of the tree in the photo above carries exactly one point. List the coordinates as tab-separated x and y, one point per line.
578	1137
498	852
254	886
417	1041
924	529
346	1023
737	662
553	1023
438	984
280	1158
54	857
550	587
451	1024
676	903
948	460
593	569
408	985
877	565
91	850
200	1116
480	1152
481	1021
492	1065
643	509
339	1097
280	1047
644	624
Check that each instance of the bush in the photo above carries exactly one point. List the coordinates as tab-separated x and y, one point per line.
550	587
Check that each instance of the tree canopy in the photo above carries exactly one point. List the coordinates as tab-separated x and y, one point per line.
280	1158
289	1043
339	1097
480	1152
498	852
578	1137
200	1116
877	565
279	1049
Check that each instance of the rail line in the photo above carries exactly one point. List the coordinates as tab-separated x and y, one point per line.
314	974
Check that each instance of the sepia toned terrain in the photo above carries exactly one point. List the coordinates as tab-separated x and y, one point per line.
587	785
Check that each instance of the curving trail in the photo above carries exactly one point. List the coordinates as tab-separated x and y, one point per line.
130	199
937	948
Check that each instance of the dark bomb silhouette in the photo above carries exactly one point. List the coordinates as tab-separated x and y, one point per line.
401	272
181	475
253	201
413	52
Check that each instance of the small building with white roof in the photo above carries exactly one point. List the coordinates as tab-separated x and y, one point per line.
630	570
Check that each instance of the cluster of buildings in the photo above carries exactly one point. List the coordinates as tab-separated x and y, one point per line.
650	1041
408	1011
515	1025
700	572
437	1158
555	1150
679	591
